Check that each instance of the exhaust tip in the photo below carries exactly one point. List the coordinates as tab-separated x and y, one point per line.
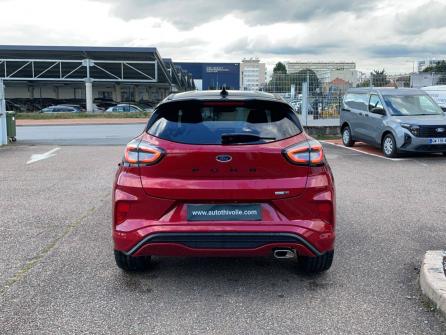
284	253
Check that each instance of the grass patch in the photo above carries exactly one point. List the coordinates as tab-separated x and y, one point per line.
82	115
428	304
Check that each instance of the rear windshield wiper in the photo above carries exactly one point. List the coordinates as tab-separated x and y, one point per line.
243	138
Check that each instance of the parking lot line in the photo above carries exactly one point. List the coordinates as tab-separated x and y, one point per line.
38	157
365	152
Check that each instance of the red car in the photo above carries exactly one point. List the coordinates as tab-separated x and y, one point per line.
227	173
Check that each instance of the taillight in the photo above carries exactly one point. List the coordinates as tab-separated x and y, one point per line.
121	211
305	153
326	211
139	152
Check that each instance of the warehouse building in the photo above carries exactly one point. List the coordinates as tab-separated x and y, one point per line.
213	76
39	73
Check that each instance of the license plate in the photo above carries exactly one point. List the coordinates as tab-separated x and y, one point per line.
437	141
227	212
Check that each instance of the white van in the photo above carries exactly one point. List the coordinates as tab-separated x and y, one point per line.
438	93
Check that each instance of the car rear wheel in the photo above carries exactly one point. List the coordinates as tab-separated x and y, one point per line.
347	137
130	263
315	264
389	146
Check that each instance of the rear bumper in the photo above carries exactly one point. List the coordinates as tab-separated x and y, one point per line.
230	240
159	226
204	242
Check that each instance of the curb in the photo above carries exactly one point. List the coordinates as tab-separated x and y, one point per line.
322	130
433	279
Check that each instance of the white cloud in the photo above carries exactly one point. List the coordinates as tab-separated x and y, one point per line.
380	34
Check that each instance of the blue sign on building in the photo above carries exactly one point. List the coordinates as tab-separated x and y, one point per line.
214	76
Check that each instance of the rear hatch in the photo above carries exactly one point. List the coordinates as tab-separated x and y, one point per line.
224	151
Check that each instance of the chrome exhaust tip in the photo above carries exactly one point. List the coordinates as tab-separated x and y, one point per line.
284	253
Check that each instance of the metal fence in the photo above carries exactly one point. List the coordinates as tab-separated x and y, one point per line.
317	97
316	102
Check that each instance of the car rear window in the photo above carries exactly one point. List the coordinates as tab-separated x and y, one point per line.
206	122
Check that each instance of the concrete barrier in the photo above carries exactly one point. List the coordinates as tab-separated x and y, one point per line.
433	278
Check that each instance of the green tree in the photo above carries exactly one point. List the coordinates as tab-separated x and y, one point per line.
442	80
365	83
279	68
440	67
301	77
281	82
379	78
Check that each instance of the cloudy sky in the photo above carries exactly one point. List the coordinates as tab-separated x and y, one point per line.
388	34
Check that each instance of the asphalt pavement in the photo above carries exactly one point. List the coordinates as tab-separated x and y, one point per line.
58	276
79	134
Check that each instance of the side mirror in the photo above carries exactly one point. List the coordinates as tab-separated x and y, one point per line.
378	110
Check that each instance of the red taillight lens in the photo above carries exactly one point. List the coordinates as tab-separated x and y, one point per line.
316	152
298	154
122	209
141	152
326	211
305	153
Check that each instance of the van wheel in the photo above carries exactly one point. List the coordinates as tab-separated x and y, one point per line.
130	263
389	146
315	264
347	137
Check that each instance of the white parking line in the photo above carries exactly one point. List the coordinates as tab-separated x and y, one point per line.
38	157
366	153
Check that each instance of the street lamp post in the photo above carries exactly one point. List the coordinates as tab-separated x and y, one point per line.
3	131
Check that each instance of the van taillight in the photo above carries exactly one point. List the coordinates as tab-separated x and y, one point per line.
305	153
139	152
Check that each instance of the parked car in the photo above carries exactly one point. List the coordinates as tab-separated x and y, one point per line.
104	103
147	107
228	173
78	107
395	119
14	107
61	109
296	104
438	93
124	108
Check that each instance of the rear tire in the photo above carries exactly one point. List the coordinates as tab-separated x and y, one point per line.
316	264
130	263
347	137
389	146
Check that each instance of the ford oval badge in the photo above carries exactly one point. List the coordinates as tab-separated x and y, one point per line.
223	158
